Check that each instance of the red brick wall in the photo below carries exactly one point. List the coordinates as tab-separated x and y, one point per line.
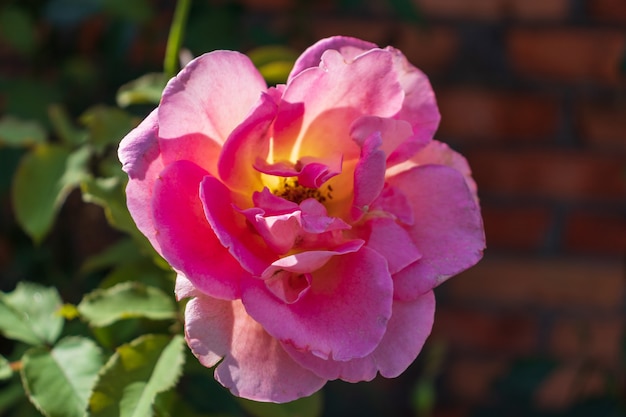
533	92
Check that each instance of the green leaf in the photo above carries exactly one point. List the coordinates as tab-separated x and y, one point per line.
304	407
5	368
17	28
123	251
274	62
109	193
126	300
59	381
146	89
16	132
10	395
63	126
107	125
42	181
133	377
135	11
28	314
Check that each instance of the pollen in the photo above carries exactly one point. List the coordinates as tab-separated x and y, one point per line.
290	189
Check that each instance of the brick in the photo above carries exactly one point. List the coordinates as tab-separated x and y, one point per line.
567	55
473	114
515	227
495	9
538	9
552	174
432	49
268	5
602	124
567	385
470	379
523	282
476	9
608	10
596	232
597	340
503	333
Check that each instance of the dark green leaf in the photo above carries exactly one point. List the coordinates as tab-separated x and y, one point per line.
43	179
29	98
126	300
64	128
121	252
135	11
304	407
17	28
109	193
146	89
135	375
59	381
10	395
16	132
107	125
29	314
5	368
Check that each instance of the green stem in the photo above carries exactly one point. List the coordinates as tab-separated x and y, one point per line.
175	38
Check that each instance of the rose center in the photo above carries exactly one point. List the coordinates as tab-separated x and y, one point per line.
290	189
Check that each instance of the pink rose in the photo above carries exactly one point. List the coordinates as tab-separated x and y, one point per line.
309	222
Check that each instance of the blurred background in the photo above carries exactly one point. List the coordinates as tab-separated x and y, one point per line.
532	92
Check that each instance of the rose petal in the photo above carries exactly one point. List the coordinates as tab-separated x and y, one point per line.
439	153
186	239
393	133
231	228
342	316
311	172
140	157
419	106
195	148
369	175
255	366
408	329
448	228
278	232
333	97
245	144
210	96
288	286
391	241
348	47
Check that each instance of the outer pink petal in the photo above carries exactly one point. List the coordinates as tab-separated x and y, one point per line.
342	316
231	228
186	239
419	107
255	366
312	56
439	153
448	228
210	96
408	329
249	141
195	148
141	159
334	96
392	242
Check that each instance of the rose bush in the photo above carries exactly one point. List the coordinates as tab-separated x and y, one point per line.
308	222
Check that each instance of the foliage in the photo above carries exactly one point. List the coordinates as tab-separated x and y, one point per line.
103	337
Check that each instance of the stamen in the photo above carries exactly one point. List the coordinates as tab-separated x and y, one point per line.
290	189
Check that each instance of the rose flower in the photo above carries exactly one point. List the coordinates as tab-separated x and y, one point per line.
308	222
